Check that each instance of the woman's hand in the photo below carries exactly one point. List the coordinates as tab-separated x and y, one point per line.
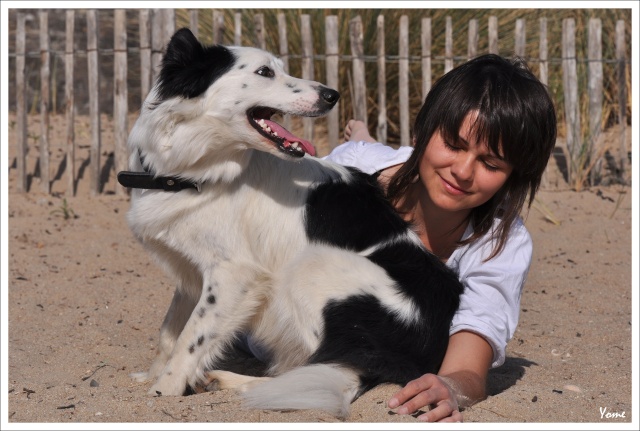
460	382
428	390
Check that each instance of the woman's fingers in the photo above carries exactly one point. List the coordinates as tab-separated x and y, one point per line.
445	411
428	390
422	399
410	390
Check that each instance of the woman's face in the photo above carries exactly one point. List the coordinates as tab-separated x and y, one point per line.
459	176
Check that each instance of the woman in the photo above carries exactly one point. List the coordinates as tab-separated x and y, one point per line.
481	142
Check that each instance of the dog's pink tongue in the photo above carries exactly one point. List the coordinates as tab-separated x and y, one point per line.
290	138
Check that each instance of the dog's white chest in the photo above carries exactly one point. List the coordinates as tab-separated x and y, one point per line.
208	228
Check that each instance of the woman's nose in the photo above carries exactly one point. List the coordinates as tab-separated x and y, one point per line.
463	167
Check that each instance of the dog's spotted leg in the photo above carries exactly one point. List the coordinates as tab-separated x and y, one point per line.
177	315
229	298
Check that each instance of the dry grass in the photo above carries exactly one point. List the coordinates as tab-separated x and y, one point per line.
582	161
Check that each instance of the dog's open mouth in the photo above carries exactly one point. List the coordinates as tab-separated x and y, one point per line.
287	142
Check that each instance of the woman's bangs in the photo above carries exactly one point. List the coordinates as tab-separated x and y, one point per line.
486	128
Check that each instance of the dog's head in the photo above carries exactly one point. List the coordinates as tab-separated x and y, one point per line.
210	103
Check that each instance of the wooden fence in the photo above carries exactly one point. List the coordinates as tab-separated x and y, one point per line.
157	25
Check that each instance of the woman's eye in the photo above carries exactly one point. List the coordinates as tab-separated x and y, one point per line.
495	164
265	71
491	167
451	147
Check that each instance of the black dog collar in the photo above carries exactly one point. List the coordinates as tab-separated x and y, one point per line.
146	180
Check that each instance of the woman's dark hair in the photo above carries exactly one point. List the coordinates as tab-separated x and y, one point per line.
515	116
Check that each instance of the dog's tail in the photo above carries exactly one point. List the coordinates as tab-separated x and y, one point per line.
320	386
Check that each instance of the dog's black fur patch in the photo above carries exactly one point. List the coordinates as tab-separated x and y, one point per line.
352	215
189	68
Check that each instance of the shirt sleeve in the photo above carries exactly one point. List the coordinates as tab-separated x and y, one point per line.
368	157
490	303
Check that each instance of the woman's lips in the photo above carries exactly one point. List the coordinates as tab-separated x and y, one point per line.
453	189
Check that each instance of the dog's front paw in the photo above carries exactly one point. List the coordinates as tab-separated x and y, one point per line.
167	385
154	371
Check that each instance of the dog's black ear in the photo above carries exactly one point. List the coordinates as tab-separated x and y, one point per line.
181	50
182	40
189	67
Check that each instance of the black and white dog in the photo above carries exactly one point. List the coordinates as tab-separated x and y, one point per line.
303	256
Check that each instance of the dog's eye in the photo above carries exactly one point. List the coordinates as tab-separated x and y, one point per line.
266	72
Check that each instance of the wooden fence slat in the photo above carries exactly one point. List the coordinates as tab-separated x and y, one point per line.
258	27
381	130
543	75
493	35
595	96
45	95
403	79
283	42
218	27
157	43
169	22
474	37
307	67
448	45
284	55
543	53
332	62
94	100
357	70
193	21
237	29
69	62
425	41
570	84
21	107
520	38
145	53
621	47
120	106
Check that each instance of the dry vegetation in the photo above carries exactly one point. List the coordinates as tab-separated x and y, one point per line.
460	20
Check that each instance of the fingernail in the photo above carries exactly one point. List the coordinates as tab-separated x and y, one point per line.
403	410
393	403
423	418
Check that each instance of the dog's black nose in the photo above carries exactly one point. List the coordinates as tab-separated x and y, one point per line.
329	95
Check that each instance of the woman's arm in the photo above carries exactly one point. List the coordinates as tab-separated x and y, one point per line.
461	381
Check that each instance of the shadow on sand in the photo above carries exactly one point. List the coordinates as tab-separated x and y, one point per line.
502	378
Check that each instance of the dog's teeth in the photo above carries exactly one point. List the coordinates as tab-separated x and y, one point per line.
295	145
275	133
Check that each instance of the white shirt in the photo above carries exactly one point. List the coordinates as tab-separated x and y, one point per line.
490	303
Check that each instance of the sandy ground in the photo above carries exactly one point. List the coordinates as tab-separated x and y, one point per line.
85	304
